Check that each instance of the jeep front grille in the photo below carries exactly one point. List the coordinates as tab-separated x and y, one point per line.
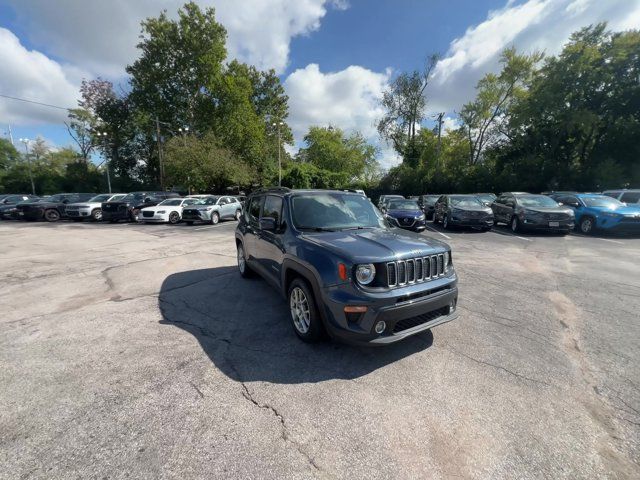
414	270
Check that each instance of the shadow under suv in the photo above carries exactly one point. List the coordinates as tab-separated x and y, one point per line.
343	268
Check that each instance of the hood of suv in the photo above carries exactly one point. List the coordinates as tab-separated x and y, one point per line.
376	245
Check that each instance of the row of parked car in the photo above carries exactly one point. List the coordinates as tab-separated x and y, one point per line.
613	210
152	207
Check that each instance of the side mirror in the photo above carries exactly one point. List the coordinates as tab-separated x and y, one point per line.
268	224
573	204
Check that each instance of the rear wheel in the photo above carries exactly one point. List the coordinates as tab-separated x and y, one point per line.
215	218
174	217
51	215
97	214
587	225
304	314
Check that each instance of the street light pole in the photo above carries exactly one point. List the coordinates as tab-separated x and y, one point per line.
106	157
26	150
279	124
184	131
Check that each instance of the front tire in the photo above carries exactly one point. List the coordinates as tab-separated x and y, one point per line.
305	317
445	222
215	218
96	215
174	217
587	225
243	266
51	215
515	224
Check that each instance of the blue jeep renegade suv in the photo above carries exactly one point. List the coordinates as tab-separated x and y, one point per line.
343	268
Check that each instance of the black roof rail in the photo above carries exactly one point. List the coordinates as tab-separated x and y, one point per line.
272	189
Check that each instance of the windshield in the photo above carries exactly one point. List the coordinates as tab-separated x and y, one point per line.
403	205
55	198
207	201
536	201
99	198
334	211
462	202
134	197
431	200
486	197
172	202
602	202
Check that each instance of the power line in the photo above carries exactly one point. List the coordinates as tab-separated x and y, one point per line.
34	102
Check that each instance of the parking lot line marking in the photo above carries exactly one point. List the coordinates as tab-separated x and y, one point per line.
598	238
509	234
206	228
434	230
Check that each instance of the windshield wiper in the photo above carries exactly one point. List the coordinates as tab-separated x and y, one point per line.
359	227
318	229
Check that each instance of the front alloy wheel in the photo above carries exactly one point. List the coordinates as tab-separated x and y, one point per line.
586	225
97	214
445	222
174	217
304	314
243	268
215	218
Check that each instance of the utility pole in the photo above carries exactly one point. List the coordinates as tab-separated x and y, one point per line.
26	150
103	135
278	125
160	153
440	116
10	135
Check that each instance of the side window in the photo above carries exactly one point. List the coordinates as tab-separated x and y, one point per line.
252	214
222	201
630	197
612	194
273	208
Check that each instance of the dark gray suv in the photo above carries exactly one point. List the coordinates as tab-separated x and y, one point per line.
343	268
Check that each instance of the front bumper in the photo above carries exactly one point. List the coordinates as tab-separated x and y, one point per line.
406	311
529	223
620	225
479	222
115	216
162	218
201	216
79	213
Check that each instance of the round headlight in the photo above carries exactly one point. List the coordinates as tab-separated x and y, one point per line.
365	273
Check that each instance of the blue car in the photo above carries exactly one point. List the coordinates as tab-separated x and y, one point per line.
405	214
600	212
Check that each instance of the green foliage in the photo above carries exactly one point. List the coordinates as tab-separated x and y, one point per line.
204	164
329	149
307	175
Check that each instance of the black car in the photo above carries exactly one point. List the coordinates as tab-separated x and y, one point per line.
8	204
343	269
526	211
129	207
52	209
463	211
427	204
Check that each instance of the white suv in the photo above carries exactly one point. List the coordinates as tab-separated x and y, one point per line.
92	208
627	196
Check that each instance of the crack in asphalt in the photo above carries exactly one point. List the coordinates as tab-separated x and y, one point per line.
498	367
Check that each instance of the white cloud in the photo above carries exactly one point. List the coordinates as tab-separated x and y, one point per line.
531	25
102	36
348	99
30	74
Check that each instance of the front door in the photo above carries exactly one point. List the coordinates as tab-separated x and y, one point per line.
270	244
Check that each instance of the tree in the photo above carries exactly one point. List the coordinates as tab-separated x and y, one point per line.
405	104
484	118
329	149
204	165
81	128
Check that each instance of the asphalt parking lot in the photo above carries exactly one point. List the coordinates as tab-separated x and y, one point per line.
137	351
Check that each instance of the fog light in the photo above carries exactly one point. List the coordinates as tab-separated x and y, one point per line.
380	326
452	306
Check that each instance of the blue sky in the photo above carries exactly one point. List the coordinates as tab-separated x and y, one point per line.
335	57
